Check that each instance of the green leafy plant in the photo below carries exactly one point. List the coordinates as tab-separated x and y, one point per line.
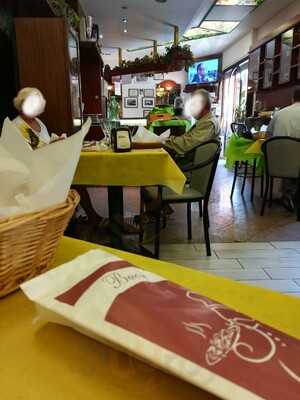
62	9
175	55
259	2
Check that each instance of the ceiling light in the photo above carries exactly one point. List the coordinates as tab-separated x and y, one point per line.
161	1
236	3
219	26
125	24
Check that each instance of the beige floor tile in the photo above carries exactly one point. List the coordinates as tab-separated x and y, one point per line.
293	294
283	273
285	286
181	251
240	246
242	275
280	262
286	245
255	253
207	264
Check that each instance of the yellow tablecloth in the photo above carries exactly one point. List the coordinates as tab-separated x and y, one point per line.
135	168
255	148
51	362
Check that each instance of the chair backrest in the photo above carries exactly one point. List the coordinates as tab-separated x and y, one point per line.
241	130
282	156
206	154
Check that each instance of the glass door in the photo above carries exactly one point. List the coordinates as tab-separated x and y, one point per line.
286	56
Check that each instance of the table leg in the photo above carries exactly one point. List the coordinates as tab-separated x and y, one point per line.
115	202
116	213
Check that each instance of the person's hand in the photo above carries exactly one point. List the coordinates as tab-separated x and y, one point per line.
56	138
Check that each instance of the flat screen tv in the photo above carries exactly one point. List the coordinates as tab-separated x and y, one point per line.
204	71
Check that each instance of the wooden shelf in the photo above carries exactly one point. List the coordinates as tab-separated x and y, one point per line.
295	65
92	47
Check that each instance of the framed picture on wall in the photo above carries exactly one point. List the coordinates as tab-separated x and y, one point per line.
148	102
146	113
131	102
148	92
159	77
133	92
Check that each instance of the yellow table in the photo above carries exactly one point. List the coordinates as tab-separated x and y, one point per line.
51	362
255	148
135	168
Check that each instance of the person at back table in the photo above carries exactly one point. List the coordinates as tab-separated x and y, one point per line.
286	122
206	128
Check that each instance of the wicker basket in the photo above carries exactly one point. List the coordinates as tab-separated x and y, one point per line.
28	243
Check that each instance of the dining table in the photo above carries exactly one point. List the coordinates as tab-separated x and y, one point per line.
136	168
41	360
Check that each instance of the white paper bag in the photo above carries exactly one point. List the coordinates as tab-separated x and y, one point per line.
36	179
171	327
143	135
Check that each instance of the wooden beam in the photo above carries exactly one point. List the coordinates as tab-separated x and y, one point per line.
176	35
120	56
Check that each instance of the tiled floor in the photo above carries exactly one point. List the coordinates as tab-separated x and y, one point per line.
272	265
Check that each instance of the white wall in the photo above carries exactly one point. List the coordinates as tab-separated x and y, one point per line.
179	77
285	15
237	51
240	49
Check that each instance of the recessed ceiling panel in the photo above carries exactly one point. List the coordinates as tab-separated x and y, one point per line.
225	13
219	26
237	2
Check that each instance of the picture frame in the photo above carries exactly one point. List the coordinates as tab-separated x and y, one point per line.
131	102
133	92
148	102
159	76
141	78
149	93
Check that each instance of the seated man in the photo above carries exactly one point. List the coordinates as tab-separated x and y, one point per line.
286	122
205	129
181	147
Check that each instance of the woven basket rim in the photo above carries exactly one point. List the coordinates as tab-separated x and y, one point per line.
50	212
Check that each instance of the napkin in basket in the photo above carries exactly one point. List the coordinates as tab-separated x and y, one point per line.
143	135
36	179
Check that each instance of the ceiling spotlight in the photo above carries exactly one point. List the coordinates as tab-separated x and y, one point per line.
161	1
100	36
125	24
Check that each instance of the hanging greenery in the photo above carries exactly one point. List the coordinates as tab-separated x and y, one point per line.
180	56
62	9
259	2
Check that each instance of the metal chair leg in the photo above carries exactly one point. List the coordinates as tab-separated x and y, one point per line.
262	212
245	177
200	209
271	192
142	208
189	220
253	180
164	224
262	185
206	229
236	167
157	234
157	224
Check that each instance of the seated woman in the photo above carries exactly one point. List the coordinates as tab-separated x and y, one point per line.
30	104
